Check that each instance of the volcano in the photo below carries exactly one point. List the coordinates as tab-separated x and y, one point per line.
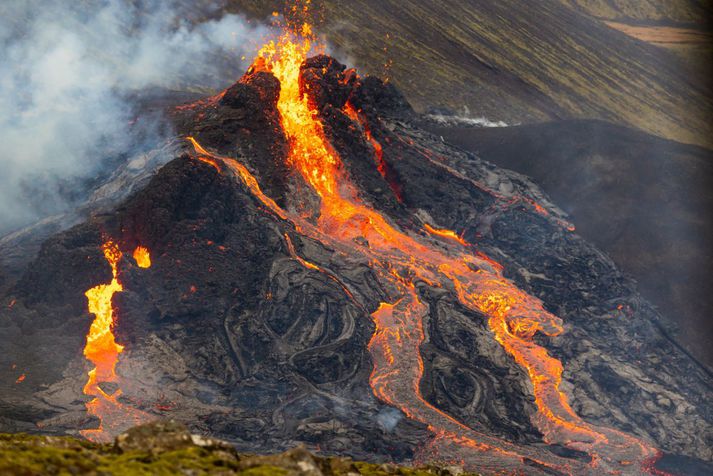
304	265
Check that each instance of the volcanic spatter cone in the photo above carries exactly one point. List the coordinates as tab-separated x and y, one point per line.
323	272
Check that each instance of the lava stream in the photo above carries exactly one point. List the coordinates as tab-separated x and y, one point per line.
102	350
398	367
444	233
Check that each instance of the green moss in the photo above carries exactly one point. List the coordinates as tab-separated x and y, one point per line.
264	470
50	460
30	455
192	460
368	469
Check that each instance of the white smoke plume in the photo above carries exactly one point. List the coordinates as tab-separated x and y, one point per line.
68	69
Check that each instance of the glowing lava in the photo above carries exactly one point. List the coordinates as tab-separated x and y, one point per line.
142	257
444	233
102	350
404	262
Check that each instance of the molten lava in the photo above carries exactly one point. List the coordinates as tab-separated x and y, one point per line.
102	350
403	262
142	257
444	233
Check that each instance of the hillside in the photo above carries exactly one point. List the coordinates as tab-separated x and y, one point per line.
556	59
521	65
678	11
681	27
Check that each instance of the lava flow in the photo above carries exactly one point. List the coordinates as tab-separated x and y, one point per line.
403	263
102	350
444	233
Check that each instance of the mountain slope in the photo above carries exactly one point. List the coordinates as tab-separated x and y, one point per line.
519	62
666	11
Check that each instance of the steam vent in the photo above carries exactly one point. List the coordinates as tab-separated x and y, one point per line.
303	264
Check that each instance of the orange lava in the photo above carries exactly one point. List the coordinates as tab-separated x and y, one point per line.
403	262
204	156
293	253
21	378
102	350
210	162
444	233
142	257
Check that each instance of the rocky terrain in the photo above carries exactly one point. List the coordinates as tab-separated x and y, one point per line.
254	325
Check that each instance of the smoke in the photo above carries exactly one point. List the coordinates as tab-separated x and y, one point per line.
388	418
464	121
70	76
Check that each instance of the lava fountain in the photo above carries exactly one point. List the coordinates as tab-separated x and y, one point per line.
103	351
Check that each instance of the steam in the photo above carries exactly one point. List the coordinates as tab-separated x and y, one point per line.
71	74
388	418
458	121
464	119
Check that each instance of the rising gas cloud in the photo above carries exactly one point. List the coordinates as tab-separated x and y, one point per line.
70	76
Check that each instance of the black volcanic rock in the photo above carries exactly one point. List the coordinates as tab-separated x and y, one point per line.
326	81
252	330
241	95
373	94
267	86
257	90
245	122
61	268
